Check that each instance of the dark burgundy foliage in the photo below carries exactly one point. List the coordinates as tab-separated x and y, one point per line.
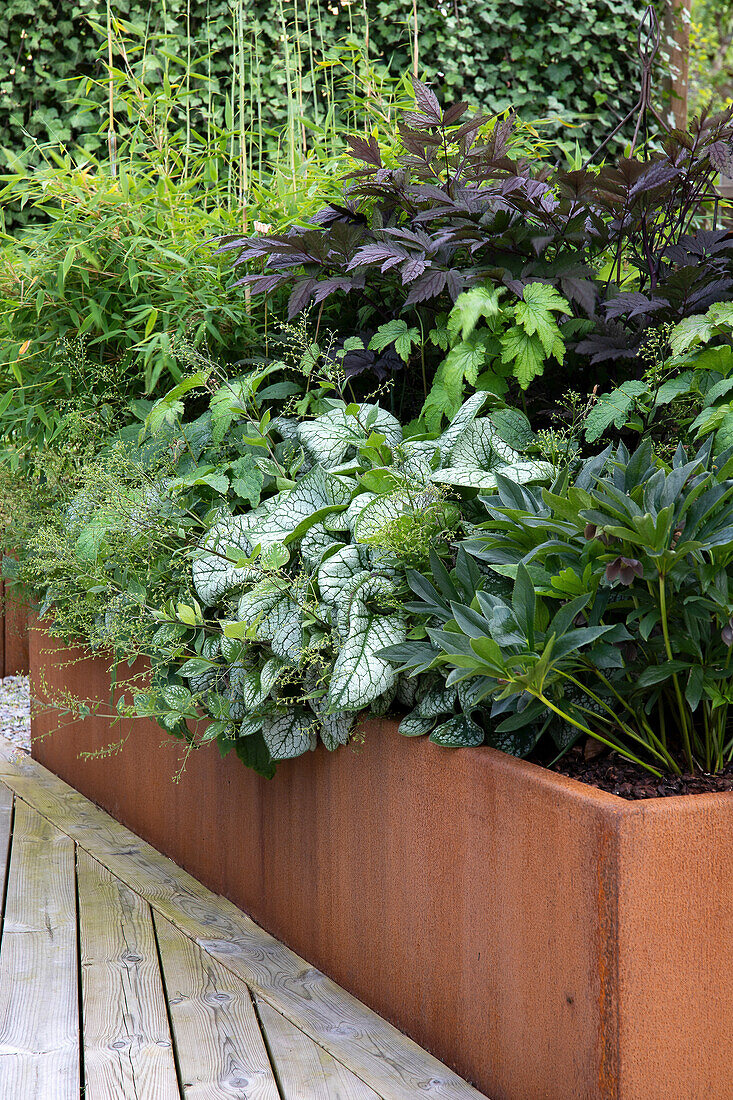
460	208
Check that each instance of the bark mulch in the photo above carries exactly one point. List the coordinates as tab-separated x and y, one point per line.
611	772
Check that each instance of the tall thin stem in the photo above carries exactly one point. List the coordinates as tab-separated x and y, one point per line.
681	706
111	135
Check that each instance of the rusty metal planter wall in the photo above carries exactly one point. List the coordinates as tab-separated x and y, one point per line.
14	656
546	939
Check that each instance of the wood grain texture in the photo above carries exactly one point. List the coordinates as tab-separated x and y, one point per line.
221	1053
391	1063
39	1007
128	1053
303	1067
6	821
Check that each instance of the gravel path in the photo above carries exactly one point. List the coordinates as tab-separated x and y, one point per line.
15	711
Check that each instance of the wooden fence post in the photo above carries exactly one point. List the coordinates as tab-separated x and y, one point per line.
677	16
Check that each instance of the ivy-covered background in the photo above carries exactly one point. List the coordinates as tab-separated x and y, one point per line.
535	55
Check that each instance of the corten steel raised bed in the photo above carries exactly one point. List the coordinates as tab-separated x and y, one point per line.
14	656
546	939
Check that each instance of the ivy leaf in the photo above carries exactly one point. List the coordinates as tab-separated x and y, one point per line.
329	438
273	616
480	455
213	574
338	570
336	730
460	423
378	513
293	511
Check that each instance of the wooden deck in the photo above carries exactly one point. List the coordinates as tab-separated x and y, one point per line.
123	978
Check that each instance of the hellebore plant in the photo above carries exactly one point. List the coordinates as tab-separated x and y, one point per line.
620	620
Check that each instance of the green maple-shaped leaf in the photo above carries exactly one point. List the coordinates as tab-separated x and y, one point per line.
470	307
467	358
612	408
398	333
248	479
460	366
539	298
525	352
535	315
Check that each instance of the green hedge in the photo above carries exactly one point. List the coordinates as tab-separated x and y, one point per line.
546	57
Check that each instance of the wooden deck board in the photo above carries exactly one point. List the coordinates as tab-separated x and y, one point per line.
39	1006
373	1051
128	1053
221	1053
303	1067
6	824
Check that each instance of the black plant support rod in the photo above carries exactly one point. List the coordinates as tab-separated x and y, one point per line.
648	41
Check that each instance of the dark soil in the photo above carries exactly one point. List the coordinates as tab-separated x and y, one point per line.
613	773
